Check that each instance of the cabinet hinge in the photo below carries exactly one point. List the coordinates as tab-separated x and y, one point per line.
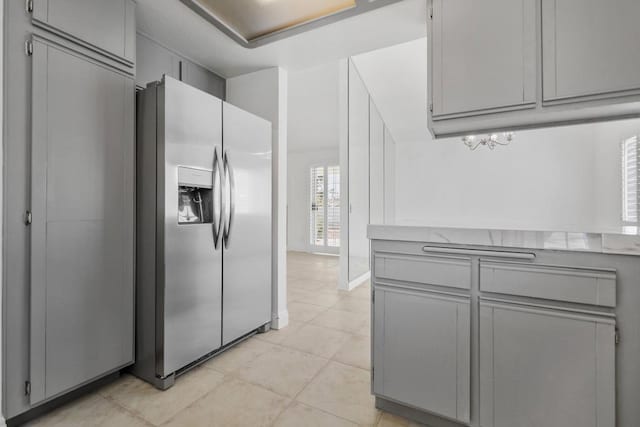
29	6
27	388
431	108
430	13
617	336
28	47
28	218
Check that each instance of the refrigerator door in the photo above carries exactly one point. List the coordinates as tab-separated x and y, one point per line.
189	201
247	232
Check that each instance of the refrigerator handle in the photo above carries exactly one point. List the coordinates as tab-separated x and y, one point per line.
217	201
231	206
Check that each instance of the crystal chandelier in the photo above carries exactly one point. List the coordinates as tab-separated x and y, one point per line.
491	141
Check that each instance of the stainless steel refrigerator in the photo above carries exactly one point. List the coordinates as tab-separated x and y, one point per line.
203	274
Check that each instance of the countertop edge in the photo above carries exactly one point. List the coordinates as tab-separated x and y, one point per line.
605	243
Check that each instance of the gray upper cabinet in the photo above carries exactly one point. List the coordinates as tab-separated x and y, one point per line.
106	25
154	61
545	368
82	235
422	351
590	48
483	55
505	65
203	79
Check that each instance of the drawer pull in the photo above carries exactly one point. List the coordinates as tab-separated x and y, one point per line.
479	252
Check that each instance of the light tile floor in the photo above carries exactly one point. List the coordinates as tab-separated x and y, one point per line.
315	372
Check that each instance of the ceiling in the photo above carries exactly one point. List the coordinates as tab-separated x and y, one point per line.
175	25
255	18
397	81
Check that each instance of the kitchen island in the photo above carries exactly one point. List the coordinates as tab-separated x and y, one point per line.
504	328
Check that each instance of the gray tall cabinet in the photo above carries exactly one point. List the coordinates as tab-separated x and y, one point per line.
68	212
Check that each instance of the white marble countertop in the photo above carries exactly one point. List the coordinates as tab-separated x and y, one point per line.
625	241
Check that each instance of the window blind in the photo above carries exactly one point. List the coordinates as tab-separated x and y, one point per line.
324	209
630	193
317	211
333	206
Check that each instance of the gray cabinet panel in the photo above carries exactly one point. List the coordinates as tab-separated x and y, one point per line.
422	351
545	368
479	63
579	285
82	232
452	272
154	61
203	79
590	47
107	25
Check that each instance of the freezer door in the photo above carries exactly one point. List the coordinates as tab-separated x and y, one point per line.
247	232
189	200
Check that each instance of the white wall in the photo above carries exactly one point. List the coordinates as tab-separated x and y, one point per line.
551	179
2	422
313	108
298	193
264	93
313	140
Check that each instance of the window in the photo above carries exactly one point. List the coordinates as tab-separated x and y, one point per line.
324	223
630	193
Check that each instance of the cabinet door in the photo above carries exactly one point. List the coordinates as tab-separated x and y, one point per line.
590	48
154	61
82	200
108	25
203	79
422	351
483	55
545	368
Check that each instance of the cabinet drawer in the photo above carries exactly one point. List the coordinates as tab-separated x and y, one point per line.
454	272
570	284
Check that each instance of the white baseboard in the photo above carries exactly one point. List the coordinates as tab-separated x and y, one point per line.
2	422
279	322
356	282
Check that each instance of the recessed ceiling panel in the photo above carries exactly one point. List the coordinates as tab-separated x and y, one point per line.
254	23
256	18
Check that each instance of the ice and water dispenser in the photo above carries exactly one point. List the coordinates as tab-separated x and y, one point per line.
196	196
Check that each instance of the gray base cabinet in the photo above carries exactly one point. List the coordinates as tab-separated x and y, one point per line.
422	351
487	336
545	368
